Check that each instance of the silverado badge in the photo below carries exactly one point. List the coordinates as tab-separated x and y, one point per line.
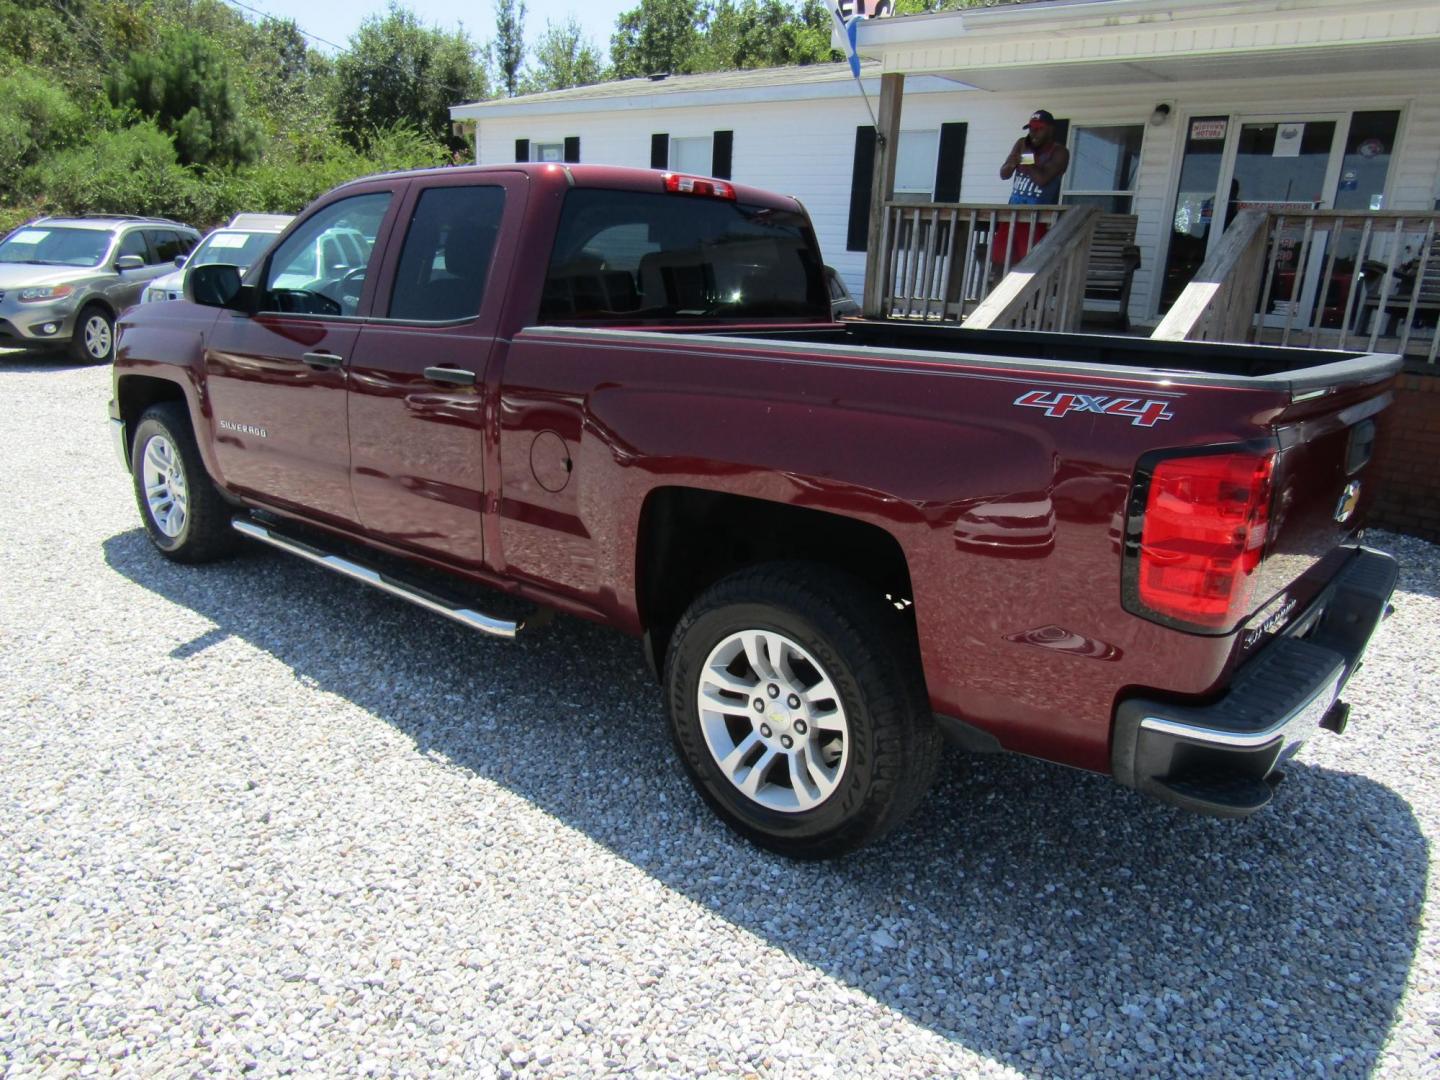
244	429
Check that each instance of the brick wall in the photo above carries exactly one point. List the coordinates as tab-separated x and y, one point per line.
1409	464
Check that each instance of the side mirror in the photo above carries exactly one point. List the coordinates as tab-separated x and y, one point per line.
217	285
129	262
180	260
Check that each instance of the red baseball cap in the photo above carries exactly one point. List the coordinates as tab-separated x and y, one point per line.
1039	118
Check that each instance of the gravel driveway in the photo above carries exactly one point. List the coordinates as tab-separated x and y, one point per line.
258	818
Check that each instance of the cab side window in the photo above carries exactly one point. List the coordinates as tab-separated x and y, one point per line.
446	258
320	268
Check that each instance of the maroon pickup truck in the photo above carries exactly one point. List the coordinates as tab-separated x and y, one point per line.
620	394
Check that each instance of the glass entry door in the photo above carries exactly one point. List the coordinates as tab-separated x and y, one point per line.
1280	165
1283	163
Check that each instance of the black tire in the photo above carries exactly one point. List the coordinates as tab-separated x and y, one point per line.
868	652
81	347
204	531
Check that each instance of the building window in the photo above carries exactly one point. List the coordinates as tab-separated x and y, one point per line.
1369	148
691	154
915	163
1104	162
547	151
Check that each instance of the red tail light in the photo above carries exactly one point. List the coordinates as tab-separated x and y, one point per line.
698	185
1205	525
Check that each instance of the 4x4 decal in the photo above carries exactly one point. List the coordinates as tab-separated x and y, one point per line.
1143	412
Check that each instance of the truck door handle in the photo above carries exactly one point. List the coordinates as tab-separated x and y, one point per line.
450	376
323	361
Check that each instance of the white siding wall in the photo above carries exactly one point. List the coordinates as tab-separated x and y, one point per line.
806	148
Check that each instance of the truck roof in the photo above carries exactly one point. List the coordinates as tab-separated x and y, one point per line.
558	175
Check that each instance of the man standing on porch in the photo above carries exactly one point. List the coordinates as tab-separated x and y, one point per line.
1037	162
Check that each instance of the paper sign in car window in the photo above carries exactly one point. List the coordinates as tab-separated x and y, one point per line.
30	236
228	240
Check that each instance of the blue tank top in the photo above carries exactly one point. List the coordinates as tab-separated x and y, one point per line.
1024	191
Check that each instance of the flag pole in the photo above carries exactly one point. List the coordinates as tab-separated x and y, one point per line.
847	31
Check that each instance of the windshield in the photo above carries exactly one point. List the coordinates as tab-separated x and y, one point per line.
231	247
48	246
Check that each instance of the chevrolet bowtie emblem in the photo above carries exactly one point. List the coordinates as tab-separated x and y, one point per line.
1348	501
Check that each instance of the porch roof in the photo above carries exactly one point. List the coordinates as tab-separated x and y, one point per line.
1071	43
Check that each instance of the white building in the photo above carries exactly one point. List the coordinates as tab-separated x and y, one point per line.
1172	109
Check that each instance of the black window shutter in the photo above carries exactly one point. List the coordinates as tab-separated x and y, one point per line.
722	149
1062	131
659	151
861	181
572	149
950	163
522	149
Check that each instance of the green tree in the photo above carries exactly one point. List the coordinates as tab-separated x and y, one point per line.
764	33
659	36
508	48
37	118
564	57
812	36
400	72
184	86
36	31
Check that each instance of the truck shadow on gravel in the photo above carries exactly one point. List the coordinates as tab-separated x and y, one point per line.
1041	917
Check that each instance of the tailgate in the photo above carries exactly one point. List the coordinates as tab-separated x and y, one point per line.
1323	485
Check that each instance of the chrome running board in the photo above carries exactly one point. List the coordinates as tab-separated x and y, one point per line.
475	620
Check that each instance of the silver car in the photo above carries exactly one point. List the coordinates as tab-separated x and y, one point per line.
63	280
240	243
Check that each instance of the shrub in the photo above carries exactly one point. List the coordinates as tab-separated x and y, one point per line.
131	171
36	117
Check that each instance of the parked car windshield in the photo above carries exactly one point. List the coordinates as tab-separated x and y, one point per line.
231	247
632	256
49	246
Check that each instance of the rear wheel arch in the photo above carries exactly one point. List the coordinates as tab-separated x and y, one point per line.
690	538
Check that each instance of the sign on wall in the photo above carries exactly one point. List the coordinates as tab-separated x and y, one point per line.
1288	138
1207	129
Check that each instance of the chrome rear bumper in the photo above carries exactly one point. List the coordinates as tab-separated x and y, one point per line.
1223	758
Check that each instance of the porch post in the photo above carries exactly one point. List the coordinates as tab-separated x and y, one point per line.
882	189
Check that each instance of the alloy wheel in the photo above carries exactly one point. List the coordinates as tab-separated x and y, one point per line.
773	721
98	336
166	494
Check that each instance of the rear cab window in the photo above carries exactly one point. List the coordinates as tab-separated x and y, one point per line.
632	256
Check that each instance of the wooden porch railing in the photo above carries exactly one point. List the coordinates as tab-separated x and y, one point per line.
1345	279
1219	302
1046	289
941	259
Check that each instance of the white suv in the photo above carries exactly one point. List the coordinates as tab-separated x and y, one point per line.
240	243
